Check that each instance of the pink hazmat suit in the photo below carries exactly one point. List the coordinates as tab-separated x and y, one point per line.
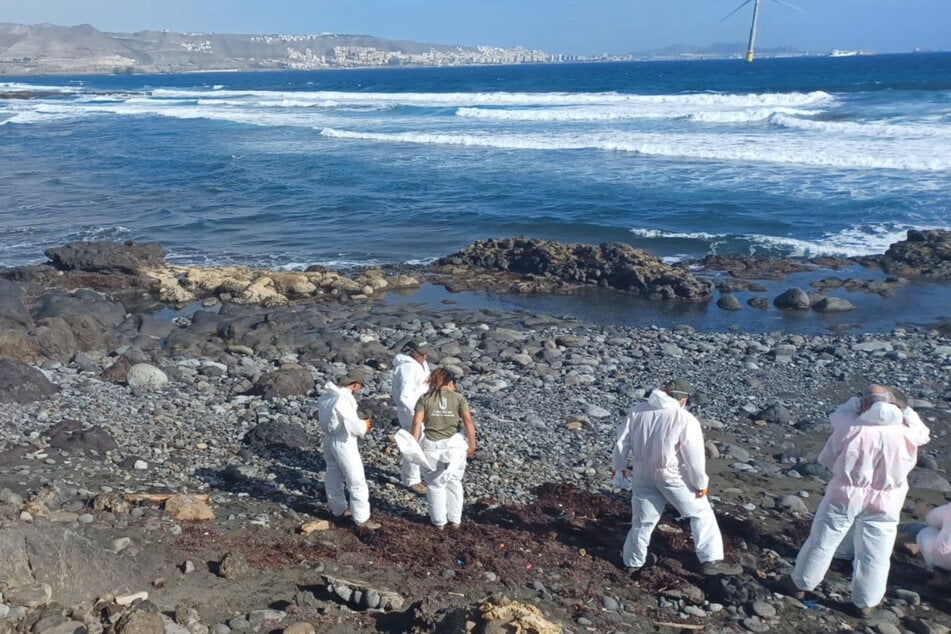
935	539
870	454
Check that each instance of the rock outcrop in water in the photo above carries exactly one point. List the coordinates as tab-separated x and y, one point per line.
612	265
923	254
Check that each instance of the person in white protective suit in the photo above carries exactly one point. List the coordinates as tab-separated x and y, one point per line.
934	541
659	448
337	415
410	376
873	447
440	413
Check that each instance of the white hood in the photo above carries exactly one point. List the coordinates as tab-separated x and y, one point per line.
401	359
660	398
881	414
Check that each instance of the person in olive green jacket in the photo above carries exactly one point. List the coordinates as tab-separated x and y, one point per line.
443	411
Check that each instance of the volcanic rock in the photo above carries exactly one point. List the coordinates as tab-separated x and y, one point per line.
614	265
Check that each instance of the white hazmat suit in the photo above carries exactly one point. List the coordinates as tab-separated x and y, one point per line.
870	454
935	539
337	413
410	379
663	444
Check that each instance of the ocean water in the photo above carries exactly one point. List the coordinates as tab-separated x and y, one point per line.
804	156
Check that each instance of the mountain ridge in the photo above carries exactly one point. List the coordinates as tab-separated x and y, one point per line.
48	49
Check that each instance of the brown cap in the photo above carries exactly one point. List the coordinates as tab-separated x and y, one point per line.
350	379
678	388
418	347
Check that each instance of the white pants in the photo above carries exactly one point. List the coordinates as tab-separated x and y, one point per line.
648	499
345	475
444	492
873	538
409	472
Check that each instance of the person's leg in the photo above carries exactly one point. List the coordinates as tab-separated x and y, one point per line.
454	490
334	484
436	482
409	471
875	540
829	527
707	540
846	549
647	504
351	465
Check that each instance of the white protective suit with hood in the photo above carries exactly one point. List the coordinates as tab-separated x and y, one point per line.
410	381
870	455
337	413
935	539
660	445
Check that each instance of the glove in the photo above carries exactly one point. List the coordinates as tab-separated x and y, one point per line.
368	425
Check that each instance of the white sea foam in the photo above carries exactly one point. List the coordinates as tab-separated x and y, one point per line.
871	129
816	152
851	242
511	98
657	233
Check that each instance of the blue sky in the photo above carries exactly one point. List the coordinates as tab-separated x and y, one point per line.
580	27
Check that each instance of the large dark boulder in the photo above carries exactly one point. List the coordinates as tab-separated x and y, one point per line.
15	324
922	254
277	436
90	316
71	436
13	312
107	257
792	299
22	383
611	265
284	382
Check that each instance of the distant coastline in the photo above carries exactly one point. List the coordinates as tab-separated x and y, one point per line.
46	49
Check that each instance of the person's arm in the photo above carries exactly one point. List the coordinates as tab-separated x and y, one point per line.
470	432
347	409
918	432
417	427
694	459
833	447
621	454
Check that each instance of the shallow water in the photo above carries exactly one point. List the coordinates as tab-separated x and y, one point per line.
915	306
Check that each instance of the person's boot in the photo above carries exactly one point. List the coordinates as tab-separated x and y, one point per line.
720	568
368	525
419	488
790	589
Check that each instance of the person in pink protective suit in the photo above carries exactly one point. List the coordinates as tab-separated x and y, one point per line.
659	448
872	449
934	541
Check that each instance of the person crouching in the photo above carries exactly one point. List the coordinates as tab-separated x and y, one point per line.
337	414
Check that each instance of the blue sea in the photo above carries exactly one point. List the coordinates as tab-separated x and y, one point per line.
794	157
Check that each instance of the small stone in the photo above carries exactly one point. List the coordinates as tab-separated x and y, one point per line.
764	610
129	599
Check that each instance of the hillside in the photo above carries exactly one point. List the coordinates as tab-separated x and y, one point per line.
46	49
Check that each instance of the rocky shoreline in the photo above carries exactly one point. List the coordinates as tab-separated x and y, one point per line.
113	399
